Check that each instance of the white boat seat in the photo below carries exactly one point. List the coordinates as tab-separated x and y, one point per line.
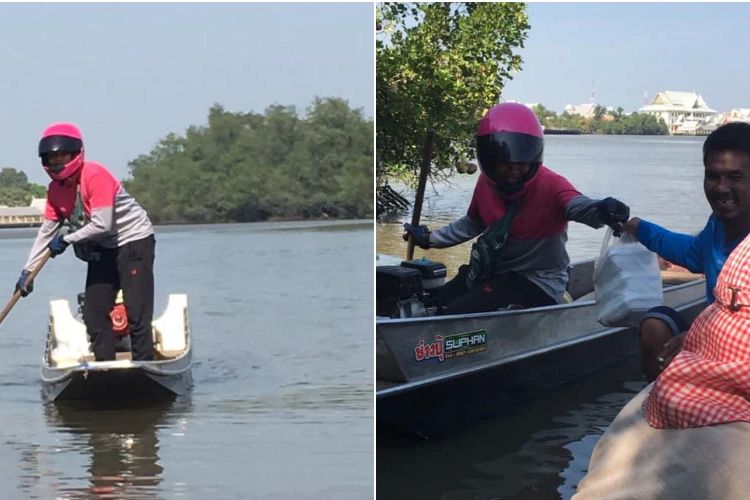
70	343
169	354
171	327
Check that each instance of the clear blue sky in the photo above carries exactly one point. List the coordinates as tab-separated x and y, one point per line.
129	74
629	48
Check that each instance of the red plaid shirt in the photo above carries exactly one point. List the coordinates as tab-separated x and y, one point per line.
708	382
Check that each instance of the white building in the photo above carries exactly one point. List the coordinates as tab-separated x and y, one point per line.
585	110
39	203
685	113
735	115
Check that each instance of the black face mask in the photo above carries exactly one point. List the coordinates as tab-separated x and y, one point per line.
56	168
52	168
516	186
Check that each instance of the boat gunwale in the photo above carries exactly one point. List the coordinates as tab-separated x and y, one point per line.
153	367
515	312
414	385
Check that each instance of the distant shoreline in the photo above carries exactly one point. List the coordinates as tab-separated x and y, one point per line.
563	131
330	220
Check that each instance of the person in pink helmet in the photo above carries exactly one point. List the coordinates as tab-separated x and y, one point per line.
520	210
88	208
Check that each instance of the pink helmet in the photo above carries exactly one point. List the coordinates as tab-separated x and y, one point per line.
66	138
510	133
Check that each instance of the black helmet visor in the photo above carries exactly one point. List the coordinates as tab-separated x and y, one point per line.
508	147
58	143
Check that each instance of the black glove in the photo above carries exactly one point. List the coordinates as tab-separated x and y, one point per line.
57	245
420	235
613	212
22	286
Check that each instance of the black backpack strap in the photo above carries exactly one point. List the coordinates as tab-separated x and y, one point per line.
488	247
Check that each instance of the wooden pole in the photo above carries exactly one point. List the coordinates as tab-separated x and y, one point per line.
424	170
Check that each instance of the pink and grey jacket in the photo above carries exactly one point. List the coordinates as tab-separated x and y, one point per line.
114	217
536	243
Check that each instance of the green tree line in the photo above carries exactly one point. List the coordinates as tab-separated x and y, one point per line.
244	167
16	190
440	66
603	122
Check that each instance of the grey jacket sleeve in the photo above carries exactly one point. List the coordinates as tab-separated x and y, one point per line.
44	236
100	226
456	232
583	209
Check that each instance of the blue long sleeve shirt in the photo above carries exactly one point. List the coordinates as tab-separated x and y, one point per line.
704	253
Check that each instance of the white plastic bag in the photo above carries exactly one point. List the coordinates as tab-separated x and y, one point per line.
627	281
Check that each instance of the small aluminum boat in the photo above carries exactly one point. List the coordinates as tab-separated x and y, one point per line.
69	371
433	372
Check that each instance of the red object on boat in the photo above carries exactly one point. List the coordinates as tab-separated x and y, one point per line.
119	317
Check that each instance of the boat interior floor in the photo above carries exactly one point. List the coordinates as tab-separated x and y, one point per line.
129	356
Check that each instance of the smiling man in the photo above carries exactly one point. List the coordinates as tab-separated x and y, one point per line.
726	183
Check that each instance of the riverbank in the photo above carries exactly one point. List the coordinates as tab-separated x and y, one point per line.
321	220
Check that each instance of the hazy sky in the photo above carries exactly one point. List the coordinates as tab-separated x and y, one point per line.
129	74
627	49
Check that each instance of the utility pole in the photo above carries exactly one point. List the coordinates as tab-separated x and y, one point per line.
593	92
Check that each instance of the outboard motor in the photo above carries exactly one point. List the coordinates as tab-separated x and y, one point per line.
432	273
119	317
398	292
403	291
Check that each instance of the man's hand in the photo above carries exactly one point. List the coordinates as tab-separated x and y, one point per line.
58	245
613	213
420	235
631	226
670	350
22	287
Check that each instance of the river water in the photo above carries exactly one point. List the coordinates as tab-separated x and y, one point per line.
660	178
282	403
542	449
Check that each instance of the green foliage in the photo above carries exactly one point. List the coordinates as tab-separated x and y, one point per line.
440	66
247	167
545	115
16	190
604	122
633	124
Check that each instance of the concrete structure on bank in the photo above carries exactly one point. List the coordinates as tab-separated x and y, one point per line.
685	113
30	216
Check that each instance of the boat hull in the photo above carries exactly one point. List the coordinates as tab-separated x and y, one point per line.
70	372
128	381
498	359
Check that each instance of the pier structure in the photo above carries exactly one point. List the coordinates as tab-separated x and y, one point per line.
30	216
